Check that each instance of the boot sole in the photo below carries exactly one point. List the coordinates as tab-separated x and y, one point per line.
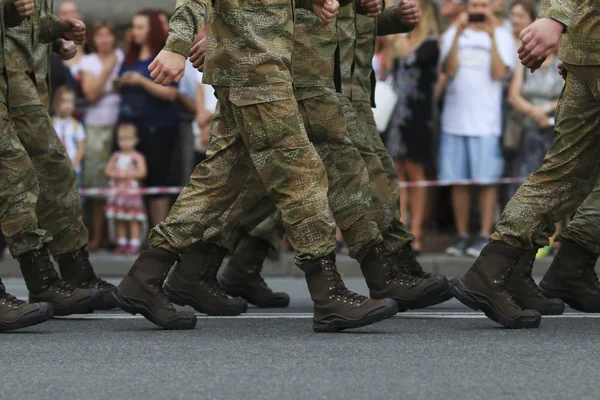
182	298
335	323
436	293
236	291
478	301
571	301
41	315
136	306
82	307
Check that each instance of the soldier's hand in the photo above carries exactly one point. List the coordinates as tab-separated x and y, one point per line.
68	49
167	67
539	40
372	7
562	70
326	10
408	12
25	8
74	30
198	54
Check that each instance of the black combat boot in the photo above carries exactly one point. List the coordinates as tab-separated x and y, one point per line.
387	279
45	286
409	264
141	291
484	287
193	282
335	307
526	293
572	278
241	277
76	269
17	314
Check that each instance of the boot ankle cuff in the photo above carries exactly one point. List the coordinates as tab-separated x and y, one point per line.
81	254
33	256
163	256
503	248
317	263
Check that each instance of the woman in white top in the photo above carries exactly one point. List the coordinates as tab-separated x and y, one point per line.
98	72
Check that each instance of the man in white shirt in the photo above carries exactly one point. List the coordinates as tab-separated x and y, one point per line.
477	57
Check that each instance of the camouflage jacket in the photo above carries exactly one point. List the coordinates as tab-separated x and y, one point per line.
27	56
581	39
367	30
249	44
8	18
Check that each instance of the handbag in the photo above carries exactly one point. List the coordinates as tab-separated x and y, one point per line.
385	103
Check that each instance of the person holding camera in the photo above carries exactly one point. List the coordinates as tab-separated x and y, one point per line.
477	55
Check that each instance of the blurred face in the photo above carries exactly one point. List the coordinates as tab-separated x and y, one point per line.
451	8
68	9
140	29
519	18
127	138
66	105
104	40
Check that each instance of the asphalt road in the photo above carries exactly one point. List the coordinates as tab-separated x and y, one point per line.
446	352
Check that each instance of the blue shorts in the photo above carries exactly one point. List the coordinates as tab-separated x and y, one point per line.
470	157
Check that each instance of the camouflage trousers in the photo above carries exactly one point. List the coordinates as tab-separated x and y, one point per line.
18	193
383	180
58	208
568	174
330	123
258	145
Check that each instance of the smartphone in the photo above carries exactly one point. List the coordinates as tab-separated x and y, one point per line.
476	17
551	121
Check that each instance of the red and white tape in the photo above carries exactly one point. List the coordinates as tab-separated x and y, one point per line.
176	190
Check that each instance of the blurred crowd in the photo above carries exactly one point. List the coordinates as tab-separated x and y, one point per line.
466	110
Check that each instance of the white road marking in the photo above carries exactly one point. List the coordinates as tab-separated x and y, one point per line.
405	315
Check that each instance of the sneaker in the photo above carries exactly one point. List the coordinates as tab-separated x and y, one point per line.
459	247
474	250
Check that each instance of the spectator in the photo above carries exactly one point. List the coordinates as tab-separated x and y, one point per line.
413	62
98	73
521	14
535	96
69	130
476	57
150	107
125	168
59	76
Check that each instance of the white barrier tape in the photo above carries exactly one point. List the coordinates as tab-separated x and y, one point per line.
176	190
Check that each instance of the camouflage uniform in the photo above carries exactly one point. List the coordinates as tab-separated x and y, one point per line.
256	123
570	169
18	186
360	86
27	54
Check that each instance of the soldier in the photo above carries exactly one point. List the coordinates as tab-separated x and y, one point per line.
499	282
355	177
18	191
58	210
257	129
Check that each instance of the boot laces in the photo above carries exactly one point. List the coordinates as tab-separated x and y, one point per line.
63	287
208	278
11	300
160	293
530	282
58	285
98	283
339	292
408	259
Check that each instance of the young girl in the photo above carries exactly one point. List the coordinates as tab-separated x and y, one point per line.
69	130
124	169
